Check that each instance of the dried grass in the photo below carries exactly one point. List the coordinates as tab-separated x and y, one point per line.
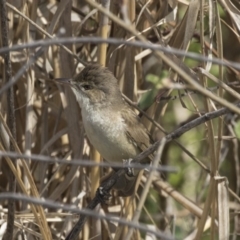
192	203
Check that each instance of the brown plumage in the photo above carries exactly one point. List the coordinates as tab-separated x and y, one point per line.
112	127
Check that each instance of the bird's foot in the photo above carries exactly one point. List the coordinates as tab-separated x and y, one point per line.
103	195
130	170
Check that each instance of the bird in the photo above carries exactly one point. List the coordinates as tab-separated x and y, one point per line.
110	123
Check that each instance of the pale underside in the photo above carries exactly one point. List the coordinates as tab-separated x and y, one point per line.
117	134
107	133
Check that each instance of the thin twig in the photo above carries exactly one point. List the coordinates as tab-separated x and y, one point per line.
67	207
117	41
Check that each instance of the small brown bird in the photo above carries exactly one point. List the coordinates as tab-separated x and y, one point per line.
111	125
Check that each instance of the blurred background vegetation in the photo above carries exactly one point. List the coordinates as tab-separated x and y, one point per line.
48	120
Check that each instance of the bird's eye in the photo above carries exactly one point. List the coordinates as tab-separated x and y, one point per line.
86	87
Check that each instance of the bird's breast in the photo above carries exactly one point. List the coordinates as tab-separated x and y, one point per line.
107	133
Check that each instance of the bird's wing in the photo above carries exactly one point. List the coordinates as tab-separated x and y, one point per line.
139	135
136	131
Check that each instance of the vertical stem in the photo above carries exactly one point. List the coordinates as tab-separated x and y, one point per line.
103	32
210	200
220	90
10	118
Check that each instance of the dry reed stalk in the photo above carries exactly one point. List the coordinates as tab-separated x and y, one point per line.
49	120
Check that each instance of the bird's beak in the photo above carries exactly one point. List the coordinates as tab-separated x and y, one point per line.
65	81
